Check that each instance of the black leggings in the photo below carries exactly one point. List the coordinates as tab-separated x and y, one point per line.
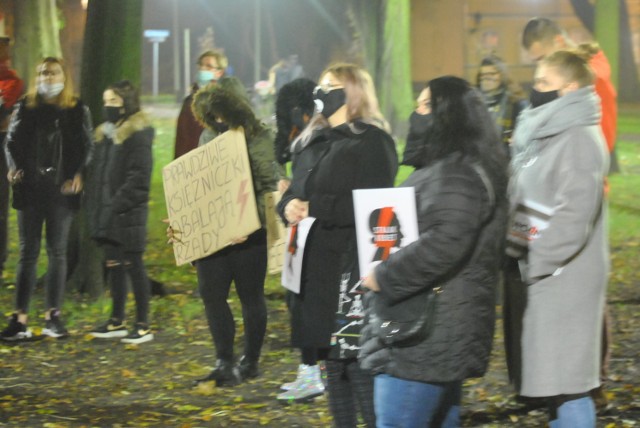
350	389
246	265
119	265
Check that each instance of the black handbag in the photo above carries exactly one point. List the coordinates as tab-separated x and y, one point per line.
400	328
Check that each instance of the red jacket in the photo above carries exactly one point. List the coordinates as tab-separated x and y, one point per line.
608	95
188	130
11	87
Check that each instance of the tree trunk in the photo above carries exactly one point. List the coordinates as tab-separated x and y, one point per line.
394	72
112	48
381	35
36	35
629	85
112	51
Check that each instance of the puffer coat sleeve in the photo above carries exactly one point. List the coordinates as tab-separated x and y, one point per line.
450	218
134	190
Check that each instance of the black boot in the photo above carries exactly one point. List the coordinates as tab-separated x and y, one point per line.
248	368
224	374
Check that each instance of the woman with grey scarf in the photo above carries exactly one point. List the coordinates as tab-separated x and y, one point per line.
558	234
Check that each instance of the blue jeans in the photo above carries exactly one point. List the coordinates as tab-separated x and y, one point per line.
57	219
576	413
401	403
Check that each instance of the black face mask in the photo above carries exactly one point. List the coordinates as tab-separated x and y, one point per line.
540	98
328	103
113	114
420	123
220	127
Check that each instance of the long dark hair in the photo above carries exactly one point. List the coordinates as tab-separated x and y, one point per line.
297	94
462	124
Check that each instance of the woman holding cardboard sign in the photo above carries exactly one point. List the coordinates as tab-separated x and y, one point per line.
245	261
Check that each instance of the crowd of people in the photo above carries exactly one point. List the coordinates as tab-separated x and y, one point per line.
510	192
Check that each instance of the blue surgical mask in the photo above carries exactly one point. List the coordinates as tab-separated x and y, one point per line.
205	77
50	90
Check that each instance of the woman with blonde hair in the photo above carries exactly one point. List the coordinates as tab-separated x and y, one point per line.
557	196
48	146
346	146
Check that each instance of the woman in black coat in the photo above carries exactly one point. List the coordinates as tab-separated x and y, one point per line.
358	153
461	203
117	201
48	146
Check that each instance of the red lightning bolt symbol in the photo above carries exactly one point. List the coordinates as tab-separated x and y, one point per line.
242	197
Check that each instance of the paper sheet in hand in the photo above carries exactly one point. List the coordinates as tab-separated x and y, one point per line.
293	257
386	220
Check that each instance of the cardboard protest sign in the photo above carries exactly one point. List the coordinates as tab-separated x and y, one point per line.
276	233
386	220
210	197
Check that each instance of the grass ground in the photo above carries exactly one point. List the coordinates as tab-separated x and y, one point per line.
84	382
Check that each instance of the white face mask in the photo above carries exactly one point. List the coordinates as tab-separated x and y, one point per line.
50	90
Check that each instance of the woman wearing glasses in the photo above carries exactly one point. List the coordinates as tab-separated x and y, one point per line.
359	153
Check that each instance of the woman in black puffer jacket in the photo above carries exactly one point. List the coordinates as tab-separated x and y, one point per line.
461	203
117	201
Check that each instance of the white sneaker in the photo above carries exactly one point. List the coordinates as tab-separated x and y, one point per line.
305	389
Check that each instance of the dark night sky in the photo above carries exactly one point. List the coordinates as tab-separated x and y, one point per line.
316	30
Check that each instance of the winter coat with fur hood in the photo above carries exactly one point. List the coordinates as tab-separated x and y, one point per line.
117	194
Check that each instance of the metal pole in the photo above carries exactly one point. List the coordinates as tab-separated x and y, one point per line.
155	68
187	60
256	42
176	51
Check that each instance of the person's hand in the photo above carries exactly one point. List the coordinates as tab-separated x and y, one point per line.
240	240
73	187
283	185
173	235
14	176
371	282
296	211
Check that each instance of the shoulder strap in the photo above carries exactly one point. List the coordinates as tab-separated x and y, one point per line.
487	185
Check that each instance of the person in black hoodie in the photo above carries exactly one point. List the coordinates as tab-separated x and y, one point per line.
462	209
117	202
48	146
353	151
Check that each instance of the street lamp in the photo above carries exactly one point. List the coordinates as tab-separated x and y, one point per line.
156	37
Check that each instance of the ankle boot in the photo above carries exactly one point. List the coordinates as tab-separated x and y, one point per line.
308	387
302	370
224	374
248	368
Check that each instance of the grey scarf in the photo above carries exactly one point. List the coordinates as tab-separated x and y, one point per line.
577	108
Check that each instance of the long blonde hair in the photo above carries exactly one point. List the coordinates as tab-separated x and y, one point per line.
66	98
361	100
